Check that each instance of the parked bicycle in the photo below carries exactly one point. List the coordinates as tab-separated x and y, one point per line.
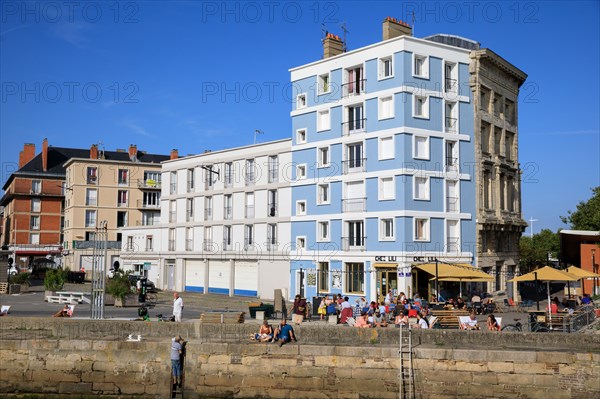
534	325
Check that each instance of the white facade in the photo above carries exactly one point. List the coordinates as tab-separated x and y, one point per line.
225	231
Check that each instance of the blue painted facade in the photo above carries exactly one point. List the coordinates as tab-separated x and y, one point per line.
361	260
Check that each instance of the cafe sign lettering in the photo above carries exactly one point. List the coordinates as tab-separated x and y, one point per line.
385	259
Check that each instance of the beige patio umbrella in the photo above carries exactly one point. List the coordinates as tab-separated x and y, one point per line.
581	274
546	274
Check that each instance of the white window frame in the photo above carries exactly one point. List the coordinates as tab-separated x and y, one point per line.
425	114
299	168
36	241
427	189
382	236
301	101
87	197
427	149
320	238
457	236
320	83
298	210
380	115
319	201
427	229
381	67
327	126
37	201
298	240
320	163
36	225
380	188
425	70
380	148
301	136
36	186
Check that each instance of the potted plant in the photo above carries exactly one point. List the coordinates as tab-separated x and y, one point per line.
54	280
22	279
119	287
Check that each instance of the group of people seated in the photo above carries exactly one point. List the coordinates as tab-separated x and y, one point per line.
471	323
393	310
282	334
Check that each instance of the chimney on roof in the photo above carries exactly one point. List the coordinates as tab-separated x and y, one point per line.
45	155
332	45
94	151
393	27
174	154
27	154
133	152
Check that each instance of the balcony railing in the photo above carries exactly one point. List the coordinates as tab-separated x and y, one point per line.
228	180
272	210
92	180
172	217
273	175
250	178
208	245
451	164
143	222
353	243
354	205
189	244
208	215
90	202
228	213
171	245
354	165
452	204
272	245
189	216
121	204
450	84
451	125
145	205
148	183
249	211
354	126
354	88
90	222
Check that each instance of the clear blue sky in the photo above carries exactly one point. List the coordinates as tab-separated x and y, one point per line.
147	72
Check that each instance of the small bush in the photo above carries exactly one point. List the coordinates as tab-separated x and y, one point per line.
21	278
55	279
119	286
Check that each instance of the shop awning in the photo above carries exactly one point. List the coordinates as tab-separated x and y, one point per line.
380	265
456	272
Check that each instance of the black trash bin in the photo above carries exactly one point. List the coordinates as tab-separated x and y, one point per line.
77	277
267	308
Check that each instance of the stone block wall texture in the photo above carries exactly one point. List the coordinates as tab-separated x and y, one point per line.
221	362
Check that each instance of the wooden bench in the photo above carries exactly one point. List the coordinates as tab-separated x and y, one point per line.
449	318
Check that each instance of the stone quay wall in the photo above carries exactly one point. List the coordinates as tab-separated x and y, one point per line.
80	358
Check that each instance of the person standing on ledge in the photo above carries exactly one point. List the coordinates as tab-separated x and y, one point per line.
177	307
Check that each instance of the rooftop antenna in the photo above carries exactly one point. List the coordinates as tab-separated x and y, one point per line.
324	30
257	131
413	19
100	146
343	26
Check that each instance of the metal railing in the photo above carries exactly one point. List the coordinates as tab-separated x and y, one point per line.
121	204
584	316
354	88
451	124
145	205
148	183
228	213
273	175
354	166
450	84
250	178
451	204
353	243
208	214
207	245
354	205
354	126
228	180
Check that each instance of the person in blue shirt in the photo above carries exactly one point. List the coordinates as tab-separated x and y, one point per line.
285	333
586	300
177	345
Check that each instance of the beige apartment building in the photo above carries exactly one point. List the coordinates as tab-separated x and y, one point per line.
495	84
119	188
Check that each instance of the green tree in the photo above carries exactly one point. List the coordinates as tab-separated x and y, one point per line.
535	251
587	215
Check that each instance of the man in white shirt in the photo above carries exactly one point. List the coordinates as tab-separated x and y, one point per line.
177	306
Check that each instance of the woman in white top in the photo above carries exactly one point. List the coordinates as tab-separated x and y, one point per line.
421	322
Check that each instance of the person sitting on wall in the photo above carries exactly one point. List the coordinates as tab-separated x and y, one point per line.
361	321
586	300
379	319
421	321
265	333
284	333
460	304
64	312
471	323
492	323
402	319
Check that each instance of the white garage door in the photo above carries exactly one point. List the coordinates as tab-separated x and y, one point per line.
218	277
194	275
246	278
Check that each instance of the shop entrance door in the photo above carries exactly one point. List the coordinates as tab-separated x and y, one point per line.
387	279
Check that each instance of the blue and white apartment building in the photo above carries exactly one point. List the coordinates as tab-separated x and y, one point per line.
383	149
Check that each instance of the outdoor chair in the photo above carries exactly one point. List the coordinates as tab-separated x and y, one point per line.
4	310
